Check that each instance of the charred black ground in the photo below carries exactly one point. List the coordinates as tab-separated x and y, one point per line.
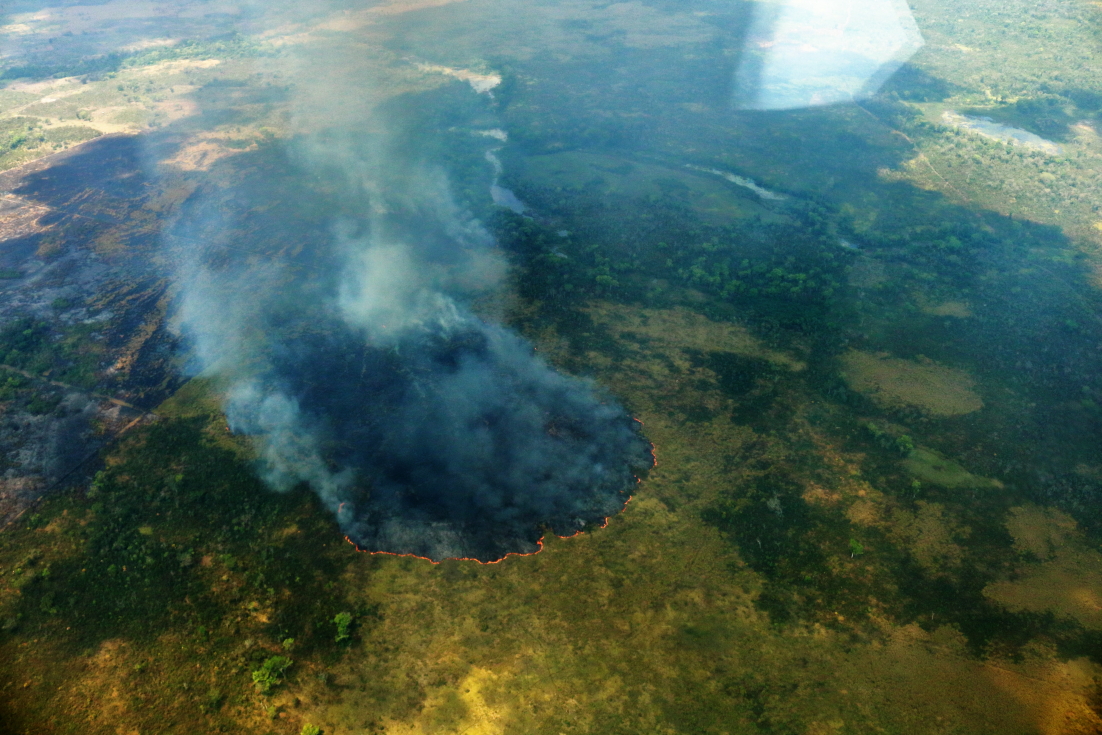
455	441
342	335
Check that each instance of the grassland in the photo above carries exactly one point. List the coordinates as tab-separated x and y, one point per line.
874	403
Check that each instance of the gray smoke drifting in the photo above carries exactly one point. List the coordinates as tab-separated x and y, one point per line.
354	359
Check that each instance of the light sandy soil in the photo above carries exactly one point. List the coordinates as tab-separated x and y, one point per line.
1060	572
894	383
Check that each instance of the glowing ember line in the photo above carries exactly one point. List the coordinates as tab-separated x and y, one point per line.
479	561
579	532
653	450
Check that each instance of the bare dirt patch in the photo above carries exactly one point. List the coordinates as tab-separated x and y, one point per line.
958	309
19	217
202	152
684	329
895	383
931	536
1061	573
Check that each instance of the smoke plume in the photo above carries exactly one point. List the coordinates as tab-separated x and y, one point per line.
354	357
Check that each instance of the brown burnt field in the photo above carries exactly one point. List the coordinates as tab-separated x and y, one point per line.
86	352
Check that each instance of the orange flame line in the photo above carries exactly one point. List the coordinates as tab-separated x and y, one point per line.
539	543
653	453
653	449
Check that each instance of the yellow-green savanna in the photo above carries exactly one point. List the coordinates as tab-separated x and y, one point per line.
648	625
872	391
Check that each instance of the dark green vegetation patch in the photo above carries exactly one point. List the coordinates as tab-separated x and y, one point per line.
178	536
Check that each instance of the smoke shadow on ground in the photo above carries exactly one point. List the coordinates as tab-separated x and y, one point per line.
332	303
463	443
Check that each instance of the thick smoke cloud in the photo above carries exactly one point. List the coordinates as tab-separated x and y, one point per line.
361	370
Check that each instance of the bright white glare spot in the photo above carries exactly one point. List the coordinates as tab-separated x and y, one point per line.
804	53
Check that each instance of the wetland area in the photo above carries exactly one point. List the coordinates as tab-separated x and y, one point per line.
800	408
